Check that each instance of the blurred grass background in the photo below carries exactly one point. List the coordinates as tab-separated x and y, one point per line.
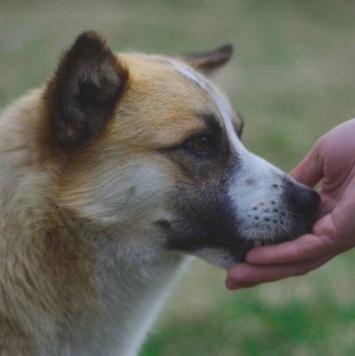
292	78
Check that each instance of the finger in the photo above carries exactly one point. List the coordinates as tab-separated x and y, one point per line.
230	284
310	170
250	275
304	248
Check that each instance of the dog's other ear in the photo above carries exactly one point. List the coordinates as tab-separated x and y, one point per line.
84	91
209	62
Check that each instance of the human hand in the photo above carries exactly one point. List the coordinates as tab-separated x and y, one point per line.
332	160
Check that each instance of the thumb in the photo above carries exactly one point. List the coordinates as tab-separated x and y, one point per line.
310	170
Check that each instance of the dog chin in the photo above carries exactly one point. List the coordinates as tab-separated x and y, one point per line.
220	257
226	257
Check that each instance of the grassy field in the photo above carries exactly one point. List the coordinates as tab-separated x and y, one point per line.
292	78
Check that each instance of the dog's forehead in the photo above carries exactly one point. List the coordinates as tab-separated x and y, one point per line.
173	86
226	114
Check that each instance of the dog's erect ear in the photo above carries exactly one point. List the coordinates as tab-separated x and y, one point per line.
84	90
209	62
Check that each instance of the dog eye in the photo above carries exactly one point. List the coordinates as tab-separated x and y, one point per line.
200	144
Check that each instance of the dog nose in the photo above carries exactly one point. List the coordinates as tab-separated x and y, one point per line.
305	201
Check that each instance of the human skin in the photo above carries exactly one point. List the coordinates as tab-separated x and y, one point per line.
331	161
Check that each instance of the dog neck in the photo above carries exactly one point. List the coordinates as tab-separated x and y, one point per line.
134	281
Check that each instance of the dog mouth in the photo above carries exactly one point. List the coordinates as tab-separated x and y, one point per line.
238	248
225	239
232	246
267	235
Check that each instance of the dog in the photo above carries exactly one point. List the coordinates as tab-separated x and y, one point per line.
112	173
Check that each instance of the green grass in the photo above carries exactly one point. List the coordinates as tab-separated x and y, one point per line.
253	328
292	78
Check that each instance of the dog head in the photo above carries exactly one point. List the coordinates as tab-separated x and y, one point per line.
153	151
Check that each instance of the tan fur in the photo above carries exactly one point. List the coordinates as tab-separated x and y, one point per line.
47	276
46	271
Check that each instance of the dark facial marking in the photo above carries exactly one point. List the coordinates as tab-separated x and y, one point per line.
239	125
212	125
164	224
204	216
249	182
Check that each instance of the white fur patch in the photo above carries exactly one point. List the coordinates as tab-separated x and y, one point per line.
218	257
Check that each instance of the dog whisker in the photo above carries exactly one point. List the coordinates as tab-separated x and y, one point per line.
287	232
290	213
243	247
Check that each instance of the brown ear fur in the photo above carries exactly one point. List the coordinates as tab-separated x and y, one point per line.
208	62
84	90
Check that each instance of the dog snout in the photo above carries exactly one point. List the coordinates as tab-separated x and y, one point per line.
304	201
